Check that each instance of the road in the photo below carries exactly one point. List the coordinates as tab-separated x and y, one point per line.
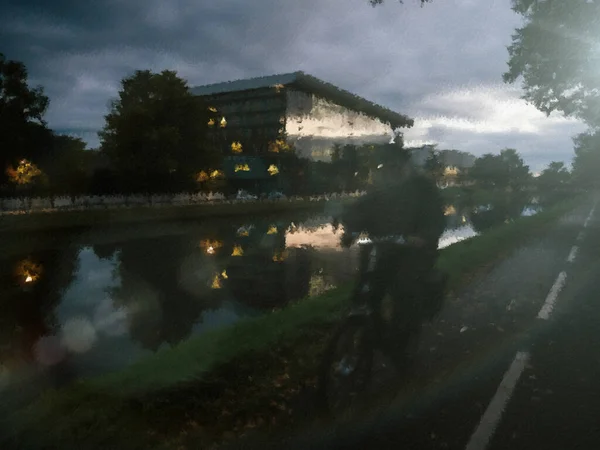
510	363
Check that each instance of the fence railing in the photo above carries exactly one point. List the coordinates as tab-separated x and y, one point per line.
27	205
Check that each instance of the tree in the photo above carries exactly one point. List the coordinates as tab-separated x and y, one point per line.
23	131
517	174
68	166
379	2
553	182
586	164
434	166
556	54
505	171
155	133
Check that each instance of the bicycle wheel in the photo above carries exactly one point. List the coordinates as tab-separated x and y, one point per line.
346	368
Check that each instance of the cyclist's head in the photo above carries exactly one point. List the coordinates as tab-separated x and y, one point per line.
394	164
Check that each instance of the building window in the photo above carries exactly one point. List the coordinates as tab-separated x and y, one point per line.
242	168
236	147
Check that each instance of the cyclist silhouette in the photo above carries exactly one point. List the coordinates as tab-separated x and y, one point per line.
403	217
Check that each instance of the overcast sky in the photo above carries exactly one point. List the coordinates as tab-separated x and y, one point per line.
441	64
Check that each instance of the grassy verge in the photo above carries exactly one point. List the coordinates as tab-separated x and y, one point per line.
230	381
74	219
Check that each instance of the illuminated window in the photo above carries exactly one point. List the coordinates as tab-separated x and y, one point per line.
223	123
242	168
216	283
449	210
272	230
236	147
278	87
210	247
217	174
211	122
202	177
237	251
212	109
273	170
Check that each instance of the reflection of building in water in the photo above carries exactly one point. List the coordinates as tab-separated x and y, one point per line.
258	121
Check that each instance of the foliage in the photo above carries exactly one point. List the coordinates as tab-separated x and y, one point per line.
556	175
379	2
25	173
68	165
23	131
153	134
504	171
434	166
226	375
586	164
555	53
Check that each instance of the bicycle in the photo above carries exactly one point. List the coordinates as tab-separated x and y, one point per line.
347	365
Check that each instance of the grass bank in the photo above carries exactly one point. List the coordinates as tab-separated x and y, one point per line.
77	219
230	381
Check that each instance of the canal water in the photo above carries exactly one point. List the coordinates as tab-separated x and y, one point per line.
87	302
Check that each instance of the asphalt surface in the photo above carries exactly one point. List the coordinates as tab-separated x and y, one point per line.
490	373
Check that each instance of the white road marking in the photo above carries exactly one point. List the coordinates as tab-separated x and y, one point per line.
490	419
492	415
552	296
573	254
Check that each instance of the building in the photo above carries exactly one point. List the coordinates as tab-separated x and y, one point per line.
259	121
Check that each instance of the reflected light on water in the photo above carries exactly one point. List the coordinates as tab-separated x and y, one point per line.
49	351
110	320
210	247
216	282
78	335
320	237
449	210
28	271
455	235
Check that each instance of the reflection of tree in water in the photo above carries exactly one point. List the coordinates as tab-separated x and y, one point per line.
105	251
28	302
504	209
152	289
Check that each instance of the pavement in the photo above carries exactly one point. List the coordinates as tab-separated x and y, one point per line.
510	363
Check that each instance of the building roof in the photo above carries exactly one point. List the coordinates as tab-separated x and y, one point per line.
305	82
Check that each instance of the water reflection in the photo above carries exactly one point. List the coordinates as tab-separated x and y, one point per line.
99	302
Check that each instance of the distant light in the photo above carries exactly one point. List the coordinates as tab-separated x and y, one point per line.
224	274
210	250
28	279
272	230
380	166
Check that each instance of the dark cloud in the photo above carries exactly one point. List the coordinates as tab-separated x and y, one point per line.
401	56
